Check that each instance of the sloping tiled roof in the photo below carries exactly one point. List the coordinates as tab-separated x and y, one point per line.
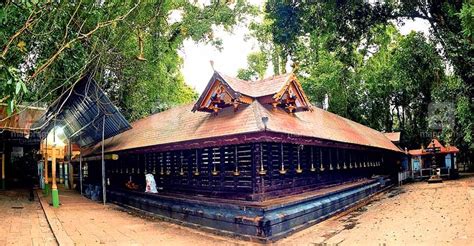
259	88
437	144
393	136
20	122
180	124
322	124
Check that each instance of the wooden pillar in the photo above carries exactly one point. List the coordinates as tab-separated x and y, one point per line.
67	167
54	187
104	191
80	170
3	163
46	182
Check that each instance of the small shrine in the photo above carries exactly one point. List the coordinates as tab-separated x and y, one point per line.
422	160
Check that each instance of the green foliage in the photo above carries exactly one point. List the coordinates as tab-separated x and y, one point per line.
257	66
129	47
349	53
467	20
245	74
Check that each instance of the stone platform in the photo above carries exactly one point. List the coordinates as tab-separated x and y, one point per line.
262	221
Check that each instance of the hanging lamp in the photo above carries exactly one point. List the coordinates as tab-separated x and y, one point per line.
196	172
298	169
282	169
162	171
236	162
168	170
321	168
181	172
330	161
350	160
146	164
262	171
312	169
214	170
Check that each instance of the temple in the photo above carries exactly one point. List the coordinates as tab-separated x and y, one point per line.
422	160
248	158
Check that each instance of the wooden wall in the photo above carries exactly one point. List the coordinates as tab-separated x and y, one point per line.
176	171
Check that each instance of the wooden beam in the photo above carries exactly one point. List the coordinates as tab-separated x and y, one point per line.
109	157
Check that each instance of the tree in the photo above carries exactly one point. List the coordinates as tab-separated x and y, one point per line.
257	63
387	85
129	47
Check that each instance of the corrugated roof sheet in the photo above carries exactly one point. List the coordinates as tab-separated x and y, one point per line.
80	111
180	124
20	122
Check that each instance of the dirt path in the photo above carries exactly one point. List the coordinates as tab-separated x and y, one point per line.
81	221
415	214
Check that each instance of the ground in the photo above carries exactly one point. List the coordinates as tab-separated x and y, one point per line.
414	214
23	222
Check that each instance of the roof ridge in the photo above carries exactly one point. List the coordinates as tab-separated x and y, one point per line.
258	114
272	77
258	80
232	77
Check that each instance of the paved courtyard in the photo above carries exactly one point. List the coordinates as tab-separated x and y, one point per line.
415	214
23	222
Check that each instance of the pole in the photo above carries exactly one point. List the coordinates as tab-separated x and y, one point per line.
3	170
61	171
103	162
66	166
80	169
54	187
46	182
3	165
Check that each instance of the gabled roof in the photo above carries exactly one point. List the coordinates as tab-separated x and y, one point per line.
393	136
258	88
273	87
81	110
180	124
434	143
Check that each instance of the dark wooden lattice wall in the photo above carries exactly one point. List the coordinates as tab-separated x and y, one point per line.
235	171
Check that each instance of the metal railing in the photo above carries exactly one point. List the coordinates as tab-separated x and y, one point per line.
423	173
403	176
427	172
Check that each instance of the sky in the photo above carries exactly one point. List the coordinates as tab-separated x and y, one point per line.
197	56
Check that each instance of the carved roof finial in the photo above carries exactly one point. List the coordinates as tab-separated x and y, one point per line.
212	64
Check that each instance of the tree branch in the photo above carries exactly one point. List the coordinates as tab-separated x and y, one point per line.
78	38
27	24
